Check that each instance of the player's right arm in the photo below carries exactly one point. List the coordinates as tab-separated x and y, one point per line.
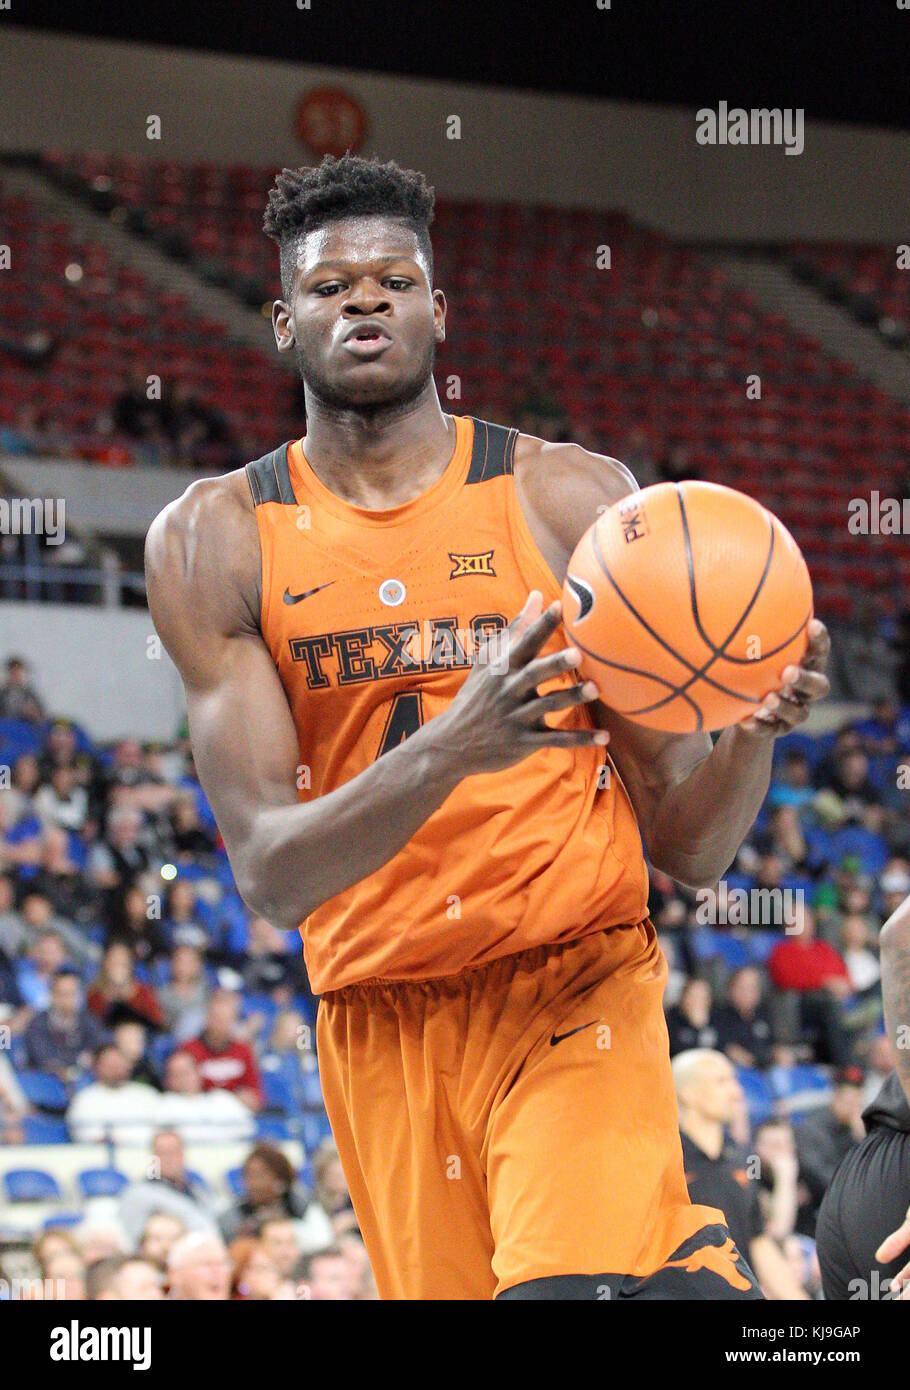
288	857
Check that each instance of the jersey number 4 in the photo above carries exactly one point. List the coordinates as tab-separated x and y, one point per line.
404	718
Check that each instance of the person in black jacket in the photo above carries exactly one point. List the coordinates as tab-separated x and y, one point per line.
864	1222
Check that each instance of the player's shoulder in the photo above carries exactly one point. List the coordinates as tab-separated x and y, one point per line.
213	520
206	539
563	483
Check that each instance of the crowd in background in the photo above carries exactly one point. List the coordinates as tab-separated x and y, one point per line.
133	978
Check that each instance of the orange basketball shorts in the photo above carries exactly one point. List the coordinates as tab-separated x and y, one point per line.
515	1121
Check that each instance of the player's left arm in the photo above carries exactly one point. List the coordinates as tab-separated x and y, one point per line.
695	802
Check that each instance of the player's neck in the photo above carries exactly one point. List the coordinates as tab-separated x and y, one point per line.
382	459
707	1134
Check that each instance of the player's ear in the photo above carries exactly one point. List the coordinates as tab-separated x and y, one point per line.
440	309
283	325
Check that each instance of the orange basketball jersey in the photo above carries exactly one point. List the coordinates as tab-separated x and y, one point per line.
373	619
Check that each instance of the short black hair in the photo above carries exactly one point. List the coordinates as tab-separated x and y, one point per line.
304	199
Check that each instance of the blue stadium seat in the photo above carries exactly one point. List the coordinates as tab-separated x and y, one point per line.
234	1179
43	1089
799	1090
159	1050
31	1185
272	1127
101	1182
42	1129
63	1219
315	1127
278	1093
17	1053
310	1088
198	1179
758	1093
306	1175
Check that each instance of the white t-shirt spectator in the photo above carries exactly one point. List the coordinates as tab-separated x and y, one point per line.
863	969
129	1114
212	1116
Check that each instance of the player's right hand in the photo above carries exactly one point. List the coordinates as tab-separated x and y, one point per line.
497	718
889	1250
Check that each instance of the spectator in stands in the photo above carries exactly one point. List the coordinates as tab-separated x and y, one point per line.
39	918
256	1277
134	412
224	1059
191	840
887	732
281	1242
201	1116
13	1104
168	1187
133	920
778	1178
847	775
98	1236
180	923
18	697
45	955
270	1191
331	1198
717	1172
201	435
26	780
113	1108
60	746
743	1027
829	1133
62	801
162	1231
124	1278
269	967
199	1269
132	1039
116	996
59	879
62	1038
13	935
351	1245
861	962
814	982
184	999
689	1022
14	1012
20	841
114	862
64	1275
326	1275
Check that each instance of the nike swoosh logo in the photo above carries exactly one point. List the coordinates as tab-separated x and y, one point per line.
295	598
561	1037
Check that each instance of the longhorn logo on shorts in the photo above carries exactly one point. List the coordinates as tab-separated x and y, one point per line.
720	1259
472	564
392	592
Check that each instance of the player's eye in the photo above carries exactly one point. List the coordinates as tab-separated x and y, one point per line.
325	290
397	282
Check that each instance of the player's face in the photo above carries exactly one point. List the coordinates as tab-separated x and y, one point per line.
364	320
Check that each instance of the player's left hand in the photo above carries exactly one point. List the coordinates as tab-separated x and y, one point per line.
783	710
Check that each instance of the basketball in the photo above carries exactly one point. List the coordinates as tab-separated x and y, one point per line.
687	601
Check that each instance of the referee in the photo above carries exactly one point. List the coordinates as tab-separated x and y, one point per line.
863	1226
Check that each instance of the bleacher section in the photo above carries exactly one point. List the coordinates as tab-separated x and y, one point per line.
659	341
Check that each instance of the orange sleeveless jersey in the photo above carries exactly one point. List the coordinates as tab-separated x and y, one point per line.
372	618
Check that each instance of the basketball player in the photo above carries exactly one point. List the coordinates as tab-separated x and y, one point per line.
464	858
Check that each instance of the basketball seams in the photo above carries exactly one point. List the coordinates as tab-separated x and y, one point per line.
718	653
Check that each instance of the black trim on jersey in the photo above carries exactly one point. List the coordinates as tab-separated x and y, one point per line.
270	478
492	454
